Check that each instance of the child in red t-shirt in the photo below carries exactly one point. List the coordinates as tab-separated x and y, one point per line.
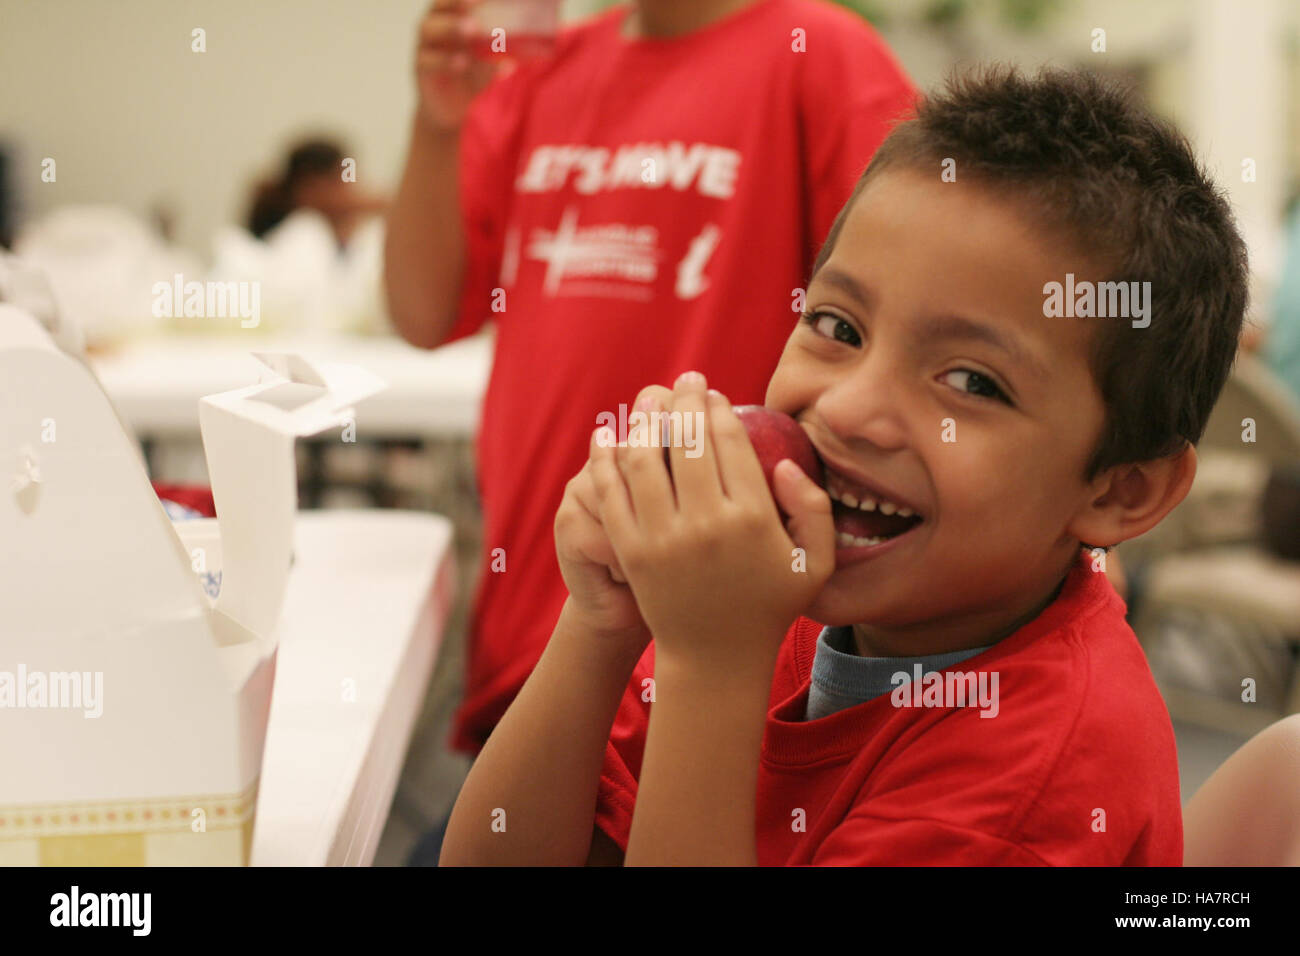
645	201
1014	335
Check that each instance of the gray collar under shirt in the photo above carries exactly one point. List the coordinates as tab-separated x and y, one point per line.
841	679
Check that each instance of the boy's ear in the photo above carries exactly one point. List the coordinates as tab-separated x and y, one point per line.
1129	500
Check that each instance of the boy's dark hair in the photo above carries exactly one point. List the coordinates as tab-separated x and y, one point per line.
1127	190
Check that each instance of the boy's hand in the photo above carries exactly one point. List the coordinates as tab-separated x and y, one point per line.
598	592
715	574
447	74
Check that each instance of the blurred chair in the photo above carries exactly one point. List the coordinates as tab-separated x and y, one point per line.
1223	504
1211	619
1248	812
1254	391
1210	594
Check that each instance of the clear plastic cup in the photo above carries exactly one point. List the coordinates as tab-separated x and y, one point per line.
517	29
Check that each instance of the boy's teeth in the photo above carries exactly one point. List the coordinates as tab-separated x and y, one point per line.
846	540
870	504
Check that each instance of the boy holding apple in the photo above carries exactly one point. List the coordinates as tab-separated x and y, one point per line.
729	705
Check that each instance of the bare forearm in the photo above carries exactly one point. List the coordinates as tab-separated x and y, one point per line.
424	247
696	798
530	798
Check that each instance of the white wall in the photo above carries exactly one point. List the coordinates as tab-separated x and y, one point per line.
112	92
1220	69
1239	102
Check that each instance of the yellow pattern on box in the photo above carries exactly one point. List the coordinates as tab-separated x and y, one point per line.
152	832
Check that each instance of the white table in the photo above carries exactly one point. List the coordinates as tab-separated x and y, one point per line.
367	601
156	384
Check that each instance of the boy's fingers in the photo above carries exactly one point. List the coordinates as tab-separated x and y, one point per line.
699	488
598	549
615	504
601	550
450	6
661	394
738	465
810	523
583	488
444	28
427	61
481	72
661	399
641	461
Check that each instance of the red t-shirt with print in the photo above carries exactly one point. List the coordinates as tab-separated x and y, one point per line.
634	209
1075	766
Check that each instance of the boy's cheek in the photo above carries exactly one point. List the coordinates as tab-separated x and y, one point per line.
794	384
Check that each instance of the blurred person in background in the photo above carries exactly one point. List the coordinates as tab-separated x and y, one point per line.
312	178
647	200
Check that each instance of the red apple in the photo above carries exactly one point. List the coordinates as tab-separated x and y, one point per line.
775	436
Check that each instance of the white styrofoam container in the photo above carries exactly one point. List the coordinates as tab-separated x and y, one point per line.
96	582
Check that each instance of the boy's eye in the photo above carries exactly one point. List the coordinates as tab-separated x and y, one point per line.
832	327
973	383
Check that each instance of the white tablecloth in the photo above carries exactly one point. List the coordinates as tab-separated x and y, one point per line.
156	384
363	619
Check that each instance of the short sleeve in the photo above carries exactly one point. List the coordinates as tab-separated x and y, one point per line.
489	155
616	794
863	840
853	92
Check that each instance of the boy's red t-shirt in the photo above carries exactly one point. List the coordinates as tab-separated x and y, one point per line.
1077	768
634	209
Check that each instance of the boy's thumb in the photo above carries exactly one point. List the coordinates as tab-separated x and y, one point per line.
808	506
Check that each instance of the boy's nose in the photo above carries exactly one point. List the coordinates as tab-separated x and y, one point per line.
864	406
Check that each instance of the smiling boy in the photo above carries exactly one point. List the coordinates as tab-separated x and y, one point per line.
976	449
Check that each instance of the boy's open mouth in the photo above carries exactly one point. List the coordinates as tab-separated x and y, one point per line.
864	516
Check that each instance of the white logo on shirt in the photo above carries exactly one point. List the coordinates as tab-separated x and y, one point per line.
710	169
690	271
612	250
